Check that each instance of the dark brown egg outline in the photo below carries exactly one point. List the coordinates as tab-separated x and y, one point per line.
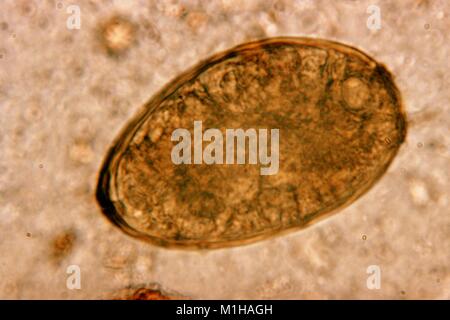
104	178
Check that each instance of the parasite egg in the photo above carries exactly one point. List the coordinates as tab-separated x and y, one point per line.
264	138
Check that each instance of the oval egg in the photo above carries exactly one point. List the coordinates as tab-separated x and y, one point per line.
333	107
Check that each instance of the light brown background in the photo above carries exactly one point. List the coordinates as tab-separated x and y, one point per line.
63	99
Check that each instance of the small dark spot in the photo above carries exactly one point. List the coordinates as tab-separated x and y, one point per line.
364	237
420	145
68	39
403	292
41	166
78	71
62	245
4	26
279	6
28	235
150	30
27	8
59	5
426	26
43	23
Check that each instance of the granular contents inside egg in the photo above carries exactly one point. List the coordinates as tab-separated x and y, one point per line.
332	106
